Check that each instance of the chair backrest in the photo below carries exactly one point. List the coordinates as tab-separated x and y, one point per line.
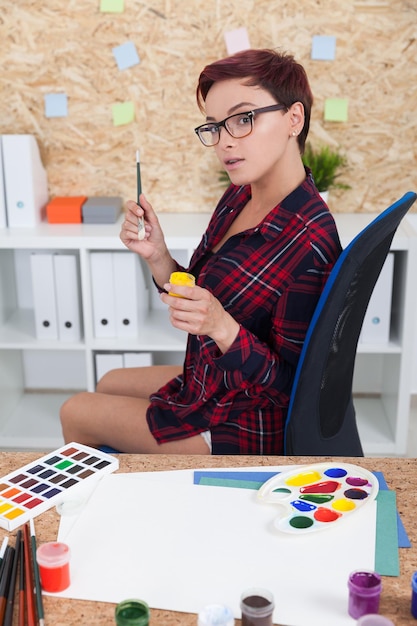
321	416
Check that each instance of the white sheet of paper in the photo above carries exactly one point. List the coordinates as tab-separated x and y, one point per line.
182	546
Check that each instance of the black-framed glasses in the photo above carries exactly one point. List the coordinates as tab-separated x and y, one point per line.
237	125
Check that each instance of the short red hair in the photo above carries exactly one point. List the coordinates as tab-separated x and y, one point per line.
284	78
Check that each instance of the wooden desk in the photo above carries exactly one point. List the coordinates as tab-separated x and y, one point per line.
400	474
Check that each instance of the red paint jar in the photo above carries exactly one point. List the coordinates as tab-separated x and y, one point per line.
53	562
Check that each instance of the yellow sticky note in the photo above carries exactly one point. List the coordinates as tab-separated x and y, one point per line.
336	110
123	113
112	6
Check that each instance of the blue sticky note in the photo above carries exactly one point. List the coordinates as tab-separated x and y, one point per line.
323	48
126	55
56	105
403	540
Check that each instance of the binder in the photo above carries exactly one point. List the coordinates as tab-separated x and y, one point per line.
25	181
137	359
376	323
106	361
3	214
44	300
103	297
130	293
67	293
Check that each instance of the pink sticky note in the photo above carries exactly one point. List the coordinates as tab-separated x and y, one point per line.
236	40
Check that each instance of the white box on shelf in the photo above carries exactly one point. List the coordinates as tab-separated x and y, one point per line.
376	323
106	361
137	359
25	181
44	299
67	291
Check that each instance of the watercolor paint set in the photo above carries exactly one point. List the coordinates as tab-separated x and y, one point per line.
318	496
37	486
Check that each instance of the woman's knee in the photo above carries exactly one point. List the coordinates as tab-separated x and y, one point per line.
71	409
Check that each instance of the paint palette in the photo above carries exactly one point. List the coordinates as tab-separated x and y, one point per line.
318	496
34	488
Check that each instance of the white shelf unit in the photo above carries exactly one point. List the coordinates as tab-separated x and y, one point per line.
36	376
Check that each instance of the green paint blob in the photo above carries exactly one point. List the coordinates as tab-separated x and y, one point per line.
300	521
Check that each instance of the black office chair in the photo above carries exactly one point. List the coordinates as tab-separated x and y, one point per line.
321	416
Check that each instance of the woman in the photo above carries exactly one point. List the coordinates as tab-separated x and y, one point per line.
260	268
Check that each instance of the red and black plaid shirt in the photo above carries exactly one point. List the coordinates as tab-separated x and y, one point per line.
269	279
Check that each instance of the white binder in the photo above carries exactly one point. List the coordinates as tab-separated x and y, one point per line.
44	300
25	181
102	289
3	213
67	297
376	323
106	361
131	295
137	359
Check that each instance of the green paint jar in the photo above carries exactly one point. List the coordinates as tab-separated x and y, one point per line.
132	613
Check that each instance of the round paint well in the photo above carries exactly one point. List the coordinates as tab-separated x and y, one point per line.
355	481
343	505
303	478
356	494
335	472
301	521
325	515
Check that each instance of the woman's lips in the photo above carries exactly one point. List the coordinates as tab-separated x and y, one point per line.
232	164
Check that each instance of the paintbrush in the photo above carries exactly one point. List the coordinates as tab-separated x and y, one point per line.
38	590
141	220
6	571
22	586
2	551
28	576
8	614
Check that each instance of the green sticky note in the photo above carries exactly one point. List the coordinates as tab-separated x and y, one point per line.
112	6
123	113
336	110
387	562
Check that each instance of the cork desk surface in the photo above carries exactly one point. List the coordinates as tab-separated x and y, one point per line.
400	474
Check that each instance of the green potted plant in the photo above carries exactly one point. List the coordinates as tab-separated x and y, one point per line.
326	164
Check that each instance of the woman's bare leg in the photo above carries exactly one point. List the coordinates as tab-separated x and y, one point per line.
137	382
118	420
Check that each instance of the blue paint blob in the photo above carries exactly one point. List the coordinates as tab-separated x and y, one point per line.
335	472
303	506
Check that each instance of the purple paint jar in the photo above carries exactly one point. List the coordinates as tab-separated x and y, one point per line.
374	620
414	595
364	593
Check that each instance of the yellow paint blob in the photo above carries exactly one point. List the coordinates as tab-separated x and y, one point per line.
304	478
343	505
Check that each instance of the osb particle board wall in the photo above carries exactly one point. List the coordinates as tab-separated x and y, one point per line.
56	46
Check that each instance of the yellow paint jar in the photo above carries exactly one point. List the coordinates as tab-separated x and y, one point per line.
181	278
